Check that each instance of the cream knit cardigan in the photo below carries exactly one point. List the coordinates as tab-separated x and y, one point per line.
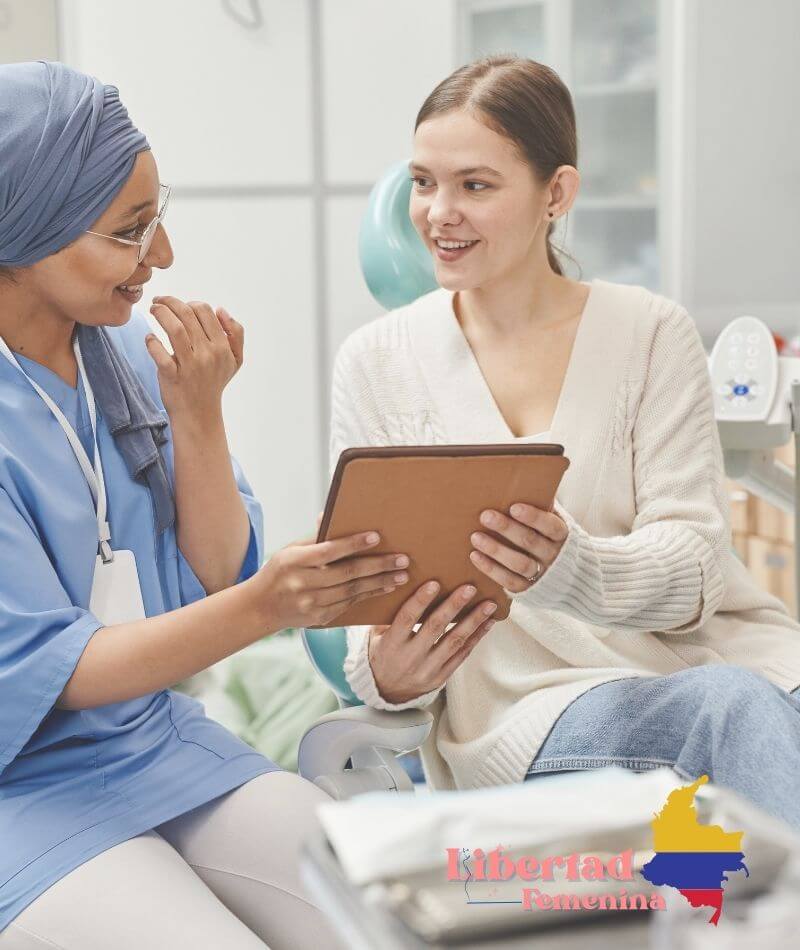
646	582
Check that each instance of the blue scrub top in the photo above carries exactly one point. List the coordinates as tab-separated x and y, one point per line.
76	782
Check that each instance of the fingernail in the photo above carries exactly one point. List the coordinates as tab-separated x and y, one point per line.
516	510
402	561
388	590
401	578
487	518
431	588
490	608
373	538
468	592
475	538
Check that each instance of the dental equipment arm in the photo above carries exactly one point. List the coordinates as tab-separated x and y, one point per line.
757	407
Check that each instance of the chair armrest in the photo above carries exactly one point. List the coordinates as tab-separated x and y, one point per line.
359	734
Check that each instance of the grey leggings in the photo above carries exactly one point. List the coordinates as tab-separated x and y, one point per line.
222	875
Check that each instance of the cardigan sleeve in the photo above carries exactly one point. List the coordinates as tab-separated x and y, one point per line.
667	574
348	430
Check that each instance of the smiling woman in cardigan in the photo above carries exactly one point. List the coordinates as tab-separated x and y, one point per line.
636	637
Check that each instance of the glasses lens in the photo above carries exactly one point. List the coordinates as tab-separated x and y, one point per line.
147	239
150	230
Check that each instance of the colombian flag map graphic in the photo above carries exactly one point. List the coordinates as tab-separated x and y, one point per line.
691	857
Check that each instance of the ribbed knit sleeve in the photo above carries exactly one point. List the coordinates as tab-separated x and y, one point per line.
358	672
350	414
667	573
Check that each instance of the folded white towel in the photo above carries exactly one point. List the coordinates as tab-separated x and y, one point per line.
377	835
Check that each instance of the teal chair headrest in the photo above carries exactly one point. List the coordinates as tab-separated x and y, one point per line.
394	261
327	649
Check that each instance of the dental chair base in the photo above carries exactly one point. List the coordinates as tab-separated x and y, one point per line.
369	739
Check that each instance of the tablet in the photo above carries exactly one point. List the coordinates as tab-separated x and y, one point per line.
426	501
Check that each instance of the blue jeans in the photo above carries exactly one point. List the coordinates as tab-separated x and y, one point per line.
723	721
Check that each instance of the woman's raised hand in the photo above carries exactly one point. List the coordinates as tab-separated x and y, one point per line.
311	584
208	349
406	664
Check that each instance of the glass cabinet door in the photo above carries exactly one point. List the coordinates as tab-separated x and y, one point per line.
503	26
614	81
607	53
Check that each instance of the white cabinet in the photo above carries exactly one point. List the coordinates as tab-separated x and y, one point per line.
743	196
687	142
608	54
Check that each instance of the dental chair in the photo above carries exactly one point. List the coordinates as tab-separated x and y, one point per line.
757	407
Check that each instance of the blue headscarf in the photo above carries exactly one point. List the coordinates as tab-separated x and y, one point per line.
67	146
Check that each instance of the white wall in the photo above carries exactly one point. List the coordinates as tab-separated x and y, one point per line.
28	30
271	139
244	252
220	104
742	243
379	62
381	58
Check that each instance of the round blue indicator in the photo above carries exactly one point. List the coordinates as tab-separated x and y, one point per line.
741	390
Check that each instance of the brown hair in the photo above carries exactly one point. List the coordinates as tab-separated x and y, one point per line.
522	100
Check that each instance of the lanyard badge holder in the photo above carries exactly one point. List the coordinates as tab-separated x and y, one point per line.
116	595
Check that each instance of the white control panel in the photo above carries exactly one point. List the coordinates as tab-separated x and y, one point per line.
744	370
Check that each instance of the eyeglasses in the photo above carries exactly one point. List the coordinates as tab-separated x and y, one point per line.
144	242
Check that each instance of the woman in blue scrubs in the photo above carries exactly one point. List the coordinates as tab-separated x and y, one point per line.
130	546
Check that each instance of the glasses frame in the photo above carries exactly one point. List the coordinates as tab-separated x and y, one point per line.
149	232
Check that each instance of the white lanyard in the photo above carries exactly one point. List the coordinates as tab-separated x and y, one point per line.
93	474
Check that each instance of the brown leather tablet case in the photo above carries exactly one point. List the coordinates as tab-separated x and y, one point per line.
426	502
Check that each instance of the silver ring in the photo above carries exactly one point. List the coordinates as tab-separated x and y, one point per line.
537	574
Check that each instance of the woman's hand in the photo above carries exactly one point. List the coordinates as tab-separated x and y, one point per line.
208	349
406	664
308	584
538	533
